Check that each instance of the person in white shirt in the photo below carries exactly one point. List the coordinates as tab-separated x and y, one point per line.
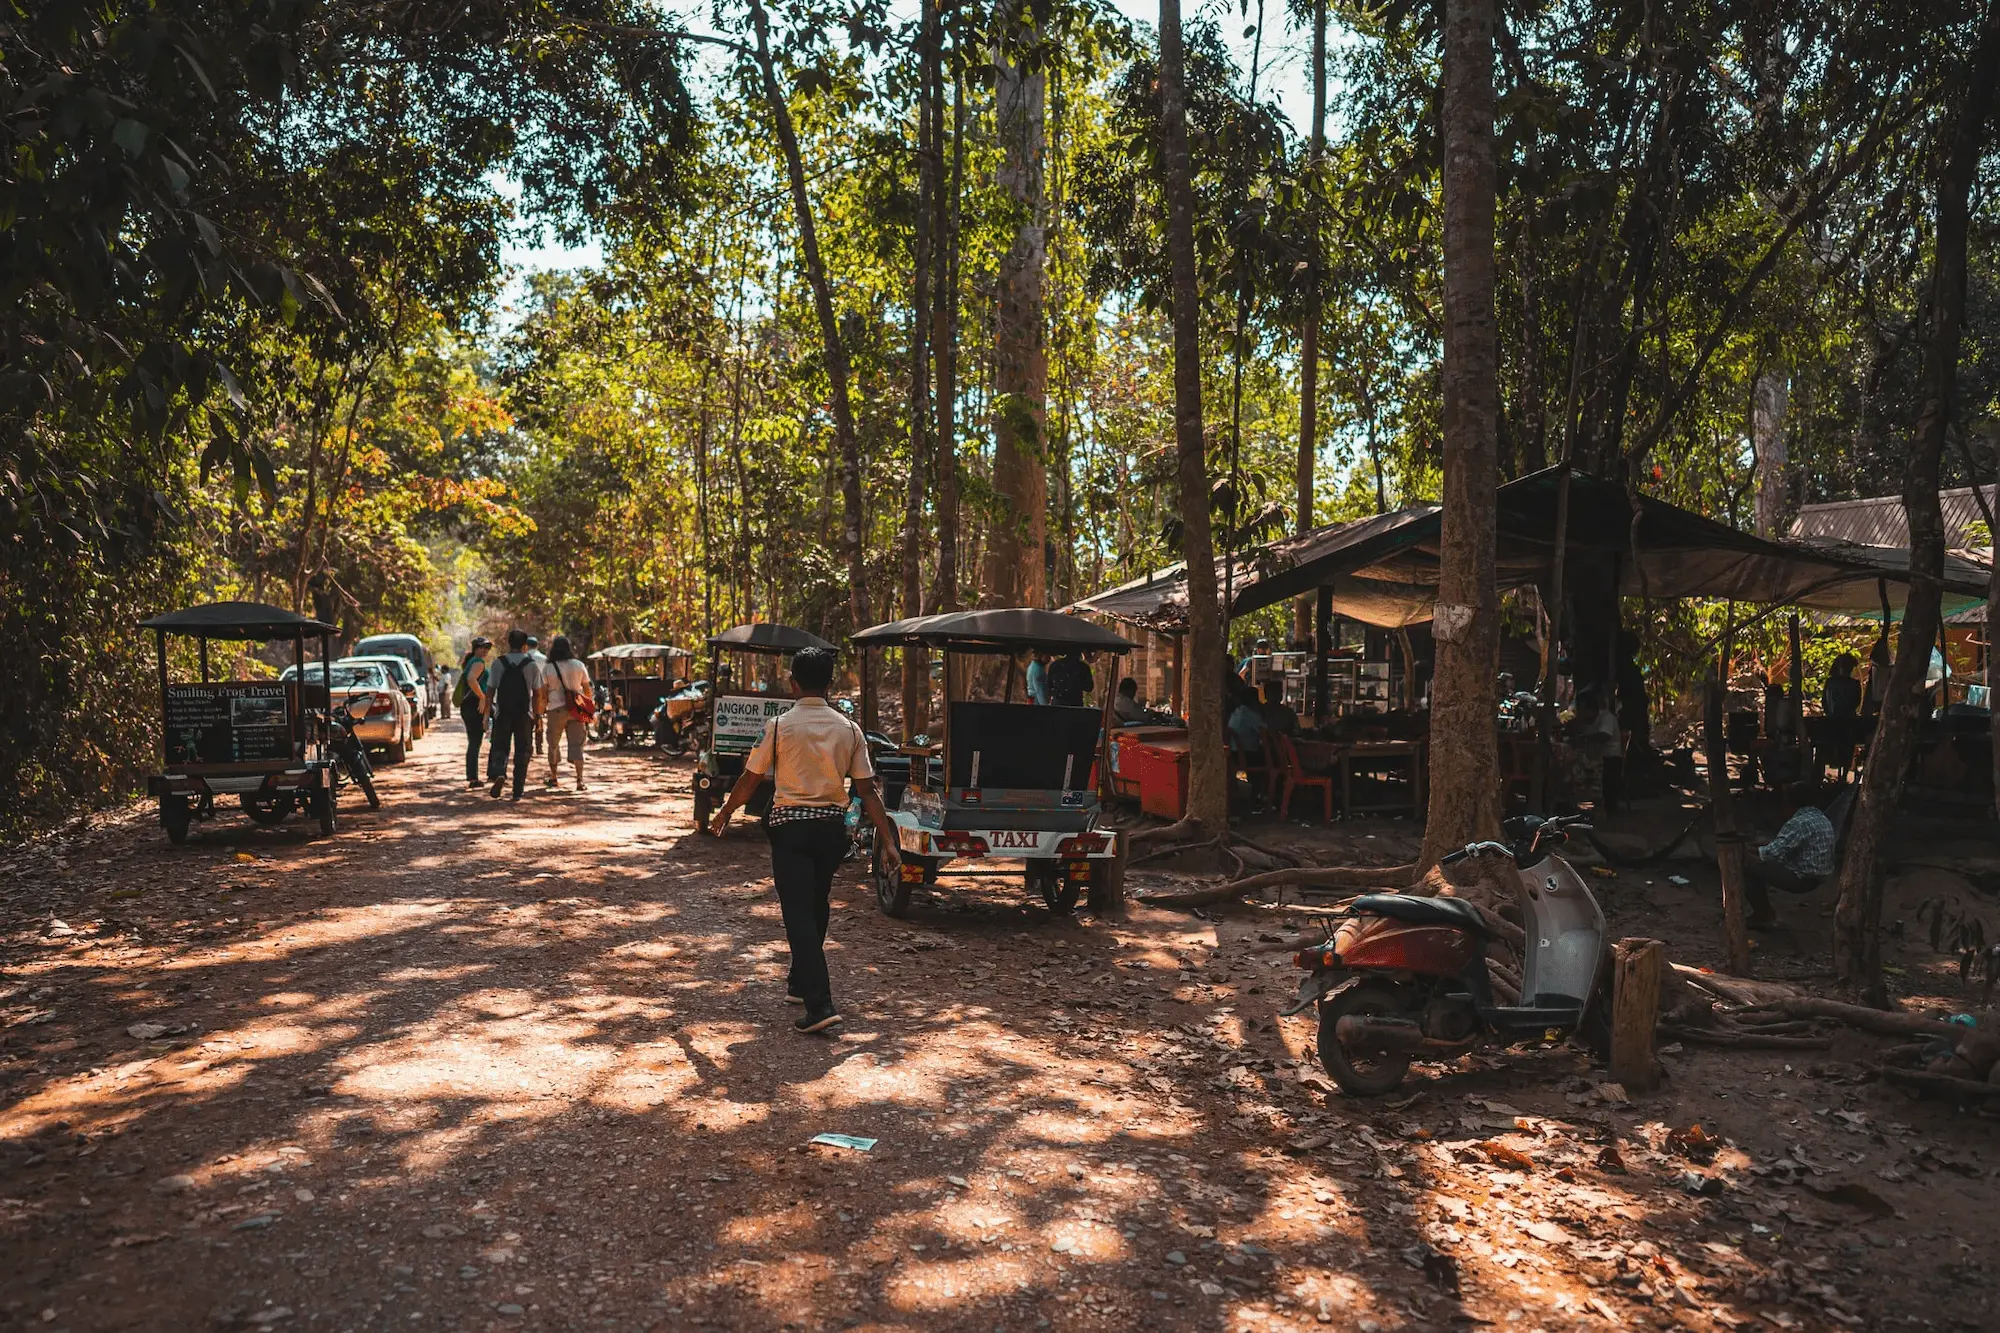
563	679
811	754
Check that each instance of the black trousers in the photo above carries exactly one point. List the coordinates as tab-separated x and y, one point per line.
475	732
512	732
1761	876
805	855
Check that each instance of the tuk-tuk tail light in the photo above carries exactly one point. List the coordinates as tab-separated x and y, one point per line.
1083	844
961	844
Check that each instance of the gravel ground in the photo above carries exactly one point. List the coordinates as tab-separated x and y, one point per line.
474	1065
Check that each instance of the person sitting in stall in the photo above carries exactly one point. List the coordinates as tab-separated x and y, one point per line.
1126	707
1246	729
1590	737
1278	715
1795	861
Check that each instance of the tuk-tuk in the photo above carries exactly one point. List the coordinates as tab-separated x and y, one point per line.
261	741
749	689
629	673
1011	781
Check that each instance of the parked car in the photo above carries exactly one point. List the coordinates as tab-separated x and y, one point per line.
411	649
387	720
416	687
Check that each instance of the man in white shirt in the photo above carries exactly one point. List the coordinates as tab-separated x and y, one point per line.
811	754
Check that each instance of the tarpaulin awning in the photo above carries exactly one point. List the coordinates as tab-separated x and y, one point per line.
1383	570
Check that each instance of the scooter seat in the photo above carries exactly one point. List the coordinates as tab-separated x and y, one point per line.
1453	912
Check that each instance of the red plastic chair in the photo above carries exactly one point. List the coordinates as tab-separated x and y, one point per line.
1293	775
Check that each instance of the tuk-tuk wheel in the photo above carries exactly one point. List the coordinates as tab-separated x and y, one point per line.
321	803
703	809
175	817
1046	878
892	892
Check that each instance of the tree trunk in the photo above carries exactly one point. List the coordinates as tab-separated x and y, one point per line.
916	665
1208	779
1767	438
944	329
1464	757
829	323
1018	535
1302	609
1857	939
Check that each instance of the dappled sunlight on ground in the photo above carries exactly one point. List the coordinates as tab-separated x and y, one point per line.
472	1065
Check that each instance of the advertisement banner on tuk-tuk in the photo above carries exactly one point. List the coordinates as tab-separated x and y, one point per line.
740	719
229	722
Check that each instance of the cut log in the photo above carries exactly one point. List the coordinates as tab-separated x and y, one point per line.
1390	878
1736	990
1635	1012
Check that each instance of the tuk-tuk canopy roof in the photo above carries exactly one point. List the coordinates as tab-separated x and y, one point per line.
766	638
619	652
1005	630
237	620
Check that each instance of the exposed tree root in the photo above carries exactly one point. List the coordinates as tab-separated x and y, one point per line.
1961	1087
1745	1040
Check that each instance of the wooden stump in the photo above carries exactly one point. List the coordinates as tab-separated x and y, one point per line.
1107	890
1637	966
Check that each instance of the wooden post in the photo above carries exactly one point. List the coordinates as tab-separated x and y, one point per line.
1635	1012
1179	692
1728	842
1323	649
1796	698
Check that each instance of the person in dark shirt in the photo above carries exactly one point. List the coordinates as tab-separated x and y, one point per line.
1070	680
1278	715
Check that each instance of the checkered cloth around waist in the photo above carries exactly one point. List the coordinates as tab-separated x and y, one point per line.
799	814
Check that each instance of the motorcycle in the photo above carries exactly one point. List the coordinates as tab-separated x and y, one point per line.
677	718
1405	975
351	754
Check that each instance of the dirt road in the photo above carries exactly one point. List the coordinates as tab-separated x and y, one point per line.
471	1065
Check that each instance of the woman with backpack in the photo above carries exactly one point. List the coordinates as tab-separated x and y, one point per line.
567	703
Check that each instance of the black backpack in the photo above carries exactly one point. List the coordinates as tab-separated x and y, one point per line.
511	695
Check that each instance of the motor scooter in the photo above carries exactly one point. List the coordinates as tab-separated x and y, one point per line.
1406	976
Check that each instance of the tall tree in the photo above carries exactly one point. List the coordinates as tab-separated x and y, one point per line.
1309	329
1208	777
1464	753
1015	568
1857	917
944	314
916	665
835	351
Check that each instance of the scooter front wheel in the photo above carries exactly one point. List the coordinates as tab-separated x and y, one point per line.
1362	1072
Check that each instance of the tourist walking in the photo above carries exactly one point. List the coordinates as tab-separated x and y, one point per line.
541	668
512	684
470	697
811	754
564	679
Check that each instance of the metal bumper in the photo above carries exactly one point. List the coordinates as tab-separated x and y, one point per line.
194	785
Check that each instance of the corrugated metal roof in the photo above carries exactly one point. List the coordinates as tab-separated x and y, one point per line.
1880	521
